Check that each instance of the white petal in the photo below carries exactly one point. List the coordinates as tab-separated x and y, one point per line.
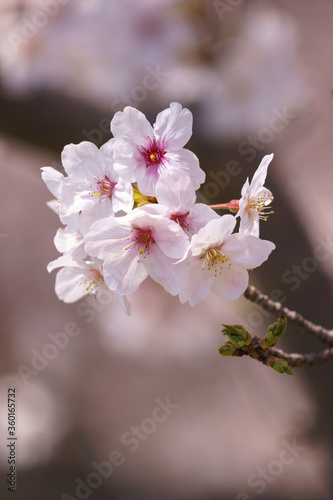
249	223
123	272
231	283
82	161
131	125
244	200
164	270
122	197
77	196
174	127
53	205
67	285
263	195
53	179
187	161
199	216
174	189
153	209
108	147
123	303
72	222
170	238
213	234
66	261
147	184
100	210
65	242
260	174
195	284
106	237
128	162
246	251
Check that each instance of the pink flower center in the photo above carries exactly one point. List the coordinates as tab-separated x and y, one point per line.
105	187
142	240
181	220
153	153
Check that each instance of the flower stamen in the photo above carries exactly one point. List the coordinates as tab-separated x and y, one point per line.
92	282
214	259
181	220
153	153
141	240
261	205
105	187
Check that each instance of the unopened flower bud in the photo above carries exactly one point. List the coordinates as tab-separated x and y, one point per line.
237	335
228	349
233	206
275	331
279	365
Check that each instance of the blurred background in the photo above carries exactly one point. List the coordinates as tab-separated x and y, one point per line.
144	407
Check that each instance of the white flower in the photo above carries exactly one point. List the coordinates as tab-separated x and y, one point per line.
143	152
218	261
137	245
79	278
255	200
175	191
92	190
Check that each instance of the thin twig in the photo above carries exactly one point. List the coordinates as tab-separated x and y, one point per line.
303	359
276	308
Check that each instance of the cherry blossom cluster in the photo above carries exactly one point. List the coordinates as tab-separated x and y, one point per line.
129	211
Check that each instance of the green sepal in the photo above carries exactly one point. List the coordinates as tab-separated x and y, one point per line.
237	334
275	331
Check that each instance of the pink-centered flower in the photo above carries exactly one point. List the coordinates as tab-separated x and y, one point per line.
78	278
92	190
175	191
137	245
218	260
143	152
255	200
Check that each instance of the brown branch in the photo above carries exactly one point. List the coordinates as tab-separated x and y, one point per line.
276	308
312	359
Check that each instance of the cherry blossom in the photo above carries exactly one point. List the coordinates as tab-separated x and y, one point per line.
78	278
175	191
137	245
184	246
143	152
92	190
255	199
219	261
